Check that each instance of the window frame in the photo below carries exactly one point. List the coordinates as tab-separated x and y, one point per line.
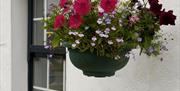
36	50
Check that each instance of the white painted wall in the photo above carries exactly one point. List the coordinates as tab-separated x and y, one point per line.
13	48
142	74
5	45
19	45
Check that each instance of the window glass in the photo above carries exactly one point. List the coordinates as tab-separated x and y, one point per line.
38	33
55	73
40	72
47	73
38	8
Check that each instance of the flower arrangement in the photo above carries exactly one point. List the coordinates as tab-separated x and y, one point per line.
109	27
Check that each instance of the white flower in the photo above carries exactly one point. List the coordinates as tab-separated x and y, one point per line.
108	21
120	21
127	55
112	16
81	35
119	40
70	33
73	45
106	36
113	28
139	39
117	57
50	56
99	21
107	30
103	35
75	33
98	31
120	25
47	46
101	10
94	38
110	42
86	28
93	44
104	18
77	42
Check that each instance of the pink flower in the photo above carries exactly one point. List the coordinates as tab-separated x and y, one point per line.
62	3
108	5
59	21
134	19
75	21
82	7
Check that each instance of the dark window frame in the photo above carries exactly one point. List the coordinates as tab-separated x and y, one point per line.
36	51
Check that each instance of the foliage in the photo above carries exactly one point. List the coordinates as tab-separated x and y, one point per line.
108	33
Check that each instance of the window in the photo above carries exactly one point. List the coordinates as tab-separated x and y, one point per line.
44	73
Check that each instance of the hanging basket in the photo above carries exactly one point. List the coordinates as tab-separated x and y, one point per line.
97	66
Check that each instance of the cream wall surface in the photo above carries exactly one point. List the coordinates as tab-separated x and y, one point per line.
13	45
141	74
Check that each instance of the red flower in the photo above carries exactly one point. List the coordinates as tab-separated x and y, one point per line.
100	14
62	3
155	7
108	5
75	21
167	18
59	21
153	2
66	10
82	7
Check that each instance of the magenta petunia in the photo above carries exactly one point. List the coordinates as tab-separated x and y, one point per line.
167	18
82	7
59	21
75	21
108	5
62	3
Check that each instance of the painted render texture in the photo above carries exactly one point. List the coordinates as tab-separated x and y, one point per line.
142	74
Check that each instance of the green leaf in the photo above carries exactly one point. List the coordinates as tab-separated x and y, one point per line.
56	41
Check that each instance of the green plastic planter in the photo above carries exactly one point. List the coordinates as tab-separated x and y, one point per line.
96	66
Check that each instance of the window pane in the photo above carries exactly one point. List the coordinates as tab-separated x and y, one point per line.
56	74
40	72
38	33
38	8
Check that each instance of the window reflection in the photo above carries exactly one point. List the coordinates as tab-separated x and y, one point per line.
55	73
38	8
38	33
